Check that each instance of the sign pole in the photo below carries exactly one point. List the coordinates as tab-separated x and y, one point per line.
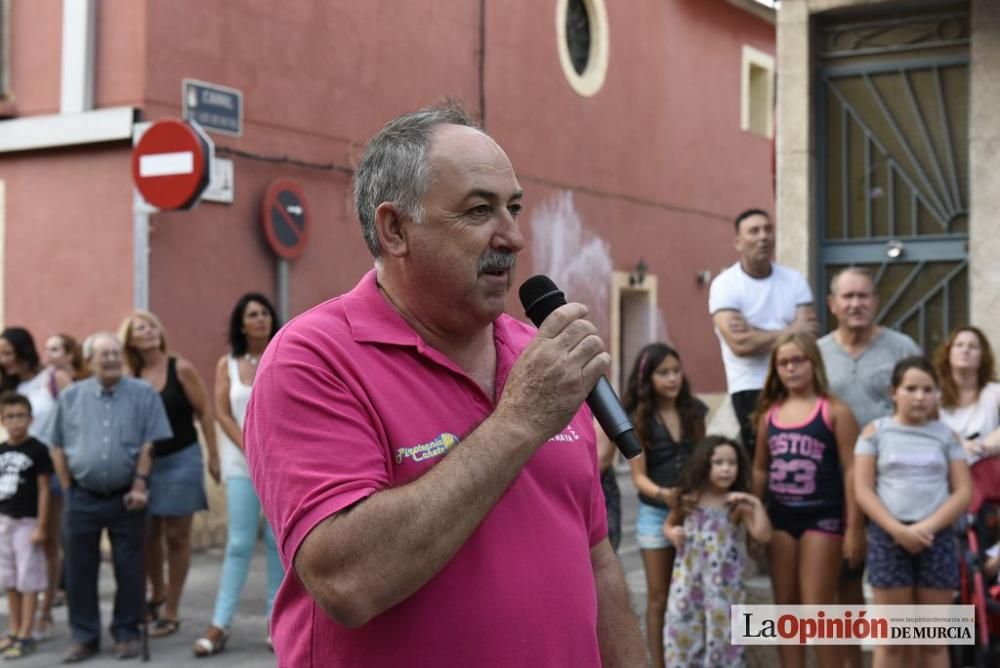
140	237
285	223
140	253
281	289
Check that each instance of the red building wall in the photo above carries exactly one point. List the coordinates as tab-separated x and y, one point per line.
656	158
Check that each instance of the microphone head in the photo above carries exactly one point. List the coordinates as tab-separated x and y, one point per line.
540	297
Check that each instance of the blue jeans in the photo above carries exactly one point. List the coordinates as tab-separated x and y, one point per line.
243	509
86	515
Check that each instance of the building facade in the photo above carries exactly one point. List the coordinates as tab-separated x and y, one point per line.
637	129
887	130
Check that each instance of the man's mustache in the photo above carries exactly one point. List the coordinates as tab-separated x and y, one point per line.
496	261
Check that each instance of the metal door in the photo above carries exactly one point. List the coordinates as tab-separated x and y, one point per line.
892	112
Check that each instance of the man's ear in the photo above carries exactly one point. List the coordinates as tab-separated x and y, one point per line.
390	227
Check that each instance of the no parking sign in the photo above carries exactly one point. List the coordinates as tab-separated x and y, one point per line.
285	219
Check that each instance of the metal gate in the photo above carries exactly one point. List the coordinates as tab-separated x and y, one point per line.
892	119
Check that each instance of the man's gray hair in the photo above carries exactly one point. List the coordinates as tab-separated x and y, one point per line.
88	343
857	271
394	165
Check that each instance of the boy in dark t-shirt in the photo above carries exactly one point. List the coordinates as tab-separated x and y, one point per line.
25	467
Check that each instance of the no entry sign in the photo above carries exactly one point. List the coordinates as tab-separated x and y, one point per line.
171	164
285	218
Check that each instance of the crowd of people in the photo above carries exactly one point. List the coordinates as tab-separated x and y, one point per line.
856	448
116	434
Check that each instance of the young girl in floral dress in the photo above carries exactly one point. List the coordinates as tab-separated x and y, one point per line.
708	527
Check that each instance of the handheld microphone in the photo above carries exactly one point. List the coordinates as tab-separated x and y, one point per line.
540	297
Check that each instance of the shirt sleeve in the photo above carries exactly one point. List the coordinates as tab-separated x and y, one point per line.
722	296
55	435
43	463
866	446
312	443
803	293
955	449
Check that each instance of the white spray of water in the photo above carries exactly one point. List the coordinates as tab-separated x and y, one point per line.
577	260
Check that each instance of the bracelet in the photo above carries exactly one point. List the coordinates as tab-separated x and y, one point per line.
143	477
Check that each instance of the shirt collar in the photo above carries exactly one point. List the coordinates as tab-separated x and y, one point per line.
373	319
101	391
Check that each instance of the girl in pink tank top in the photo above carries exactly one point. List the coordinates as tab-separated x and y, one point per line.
803	469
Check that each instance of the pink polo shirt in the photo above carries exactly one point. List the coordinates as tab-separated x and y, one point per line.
349	400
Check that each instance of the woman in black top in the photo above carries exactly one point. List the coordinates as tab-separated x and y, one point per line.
669	420
177	480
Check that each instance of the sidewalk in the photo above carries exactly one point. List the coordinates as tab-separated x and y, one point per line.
247	647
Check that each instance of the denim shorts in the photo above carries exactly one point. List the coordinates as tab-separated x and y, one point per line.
889	565
649	527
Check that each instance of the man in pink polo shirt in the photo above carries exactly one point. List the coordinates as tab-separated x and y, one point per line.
423	458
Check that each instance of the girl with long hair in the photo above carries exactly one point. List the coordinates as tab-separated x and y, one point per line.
803	466
707	526
669	420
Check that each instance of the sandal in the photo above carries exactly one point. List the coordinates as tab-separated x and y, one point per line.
207	646
19	648
153	609
164	627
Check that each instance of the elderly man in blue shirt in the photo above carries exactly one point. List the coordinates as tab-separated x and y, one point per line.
102	451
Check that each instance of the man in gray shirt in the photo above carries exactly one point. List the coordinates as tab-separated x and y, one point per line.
859	356
102	450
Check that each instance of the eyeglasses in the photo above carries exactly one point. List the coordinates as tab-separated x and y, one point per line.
795	360
15	416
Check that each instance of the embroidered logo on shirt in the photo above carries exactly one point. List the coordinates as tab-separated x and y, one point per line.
418	453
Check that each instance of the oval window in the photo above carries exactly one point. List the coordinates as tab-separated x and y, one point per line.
582	30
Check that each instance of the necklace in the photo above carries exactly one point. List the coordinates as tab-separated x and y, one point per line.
251	359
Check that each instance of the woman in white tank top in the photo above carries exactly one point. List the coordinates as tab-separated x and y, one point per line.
252	325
